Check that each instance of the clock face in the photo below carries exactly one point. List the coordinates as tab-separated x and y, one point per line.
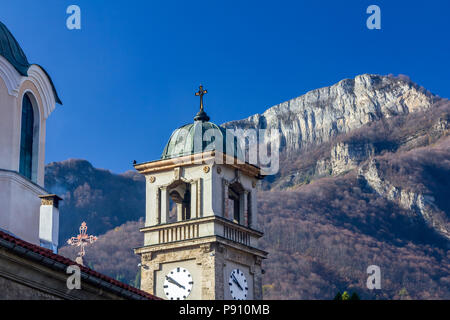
238	285
178	284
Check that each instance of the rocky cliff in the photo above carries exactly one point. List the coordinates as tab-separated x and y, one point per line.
322	114
416	180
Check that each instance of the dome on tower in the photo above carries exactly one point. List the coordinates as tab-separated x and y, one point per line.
201	136
198	137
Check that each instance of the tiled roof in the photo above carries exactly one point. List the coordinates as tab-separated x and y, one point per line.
45	253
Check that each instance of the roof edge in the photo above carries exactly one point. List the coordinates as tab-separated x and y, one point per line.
35	252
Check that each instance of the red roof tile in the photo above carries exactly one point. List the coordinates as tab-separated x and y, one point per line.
56	257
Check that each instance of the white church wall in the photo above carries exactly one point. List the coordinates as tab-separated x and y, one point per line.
21	203
8	128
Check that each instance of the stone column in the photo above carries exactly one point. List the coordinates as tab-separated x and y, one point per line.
152	206
254	210
245	204
225	199
164	213
194	208
179	212
49	222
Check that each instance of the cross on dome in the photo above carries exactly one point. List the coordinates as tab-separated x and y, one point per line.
201	115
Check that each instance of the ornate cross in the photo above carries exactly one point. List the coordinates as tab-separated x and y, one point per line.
201	93
81	240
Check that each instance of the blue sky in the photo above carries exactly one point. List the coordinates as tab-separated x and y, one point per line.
127	78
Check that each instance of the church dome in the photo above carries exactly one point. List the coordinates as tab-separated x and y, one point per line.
198	137
11	51
201	136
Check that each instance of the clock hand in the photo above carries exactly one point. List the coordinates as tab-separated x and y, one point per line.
237	282
171	280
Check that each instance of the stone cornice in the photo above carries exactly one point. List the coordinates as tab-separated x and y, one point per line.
18	178
199	241
211	157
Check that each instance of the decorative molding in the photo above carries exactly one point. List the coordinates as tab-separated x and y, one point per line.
208	158
151	179
37	76
206	169
237	177
177	173
50	200
21	180
147	256
45	89
10	76
205	247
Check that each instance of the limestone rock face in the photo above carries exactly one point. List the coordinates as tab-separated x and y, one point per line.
347	156
323	113
422	205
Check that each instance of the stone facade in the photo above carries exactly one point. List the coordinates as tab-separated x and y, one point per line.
210	262
214	240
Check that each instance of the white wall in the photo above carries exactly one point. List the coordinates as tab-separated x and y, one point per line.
19	202
19	210
8	129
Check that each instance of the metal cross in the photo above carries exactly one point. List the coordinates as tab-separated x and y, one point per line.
82	239
201	93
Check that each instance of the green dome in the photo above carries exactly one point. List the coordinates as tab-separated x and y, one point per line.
13	53
198	137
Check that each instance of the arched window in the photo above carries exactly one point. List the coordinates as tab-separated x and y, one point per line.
179	201
26	138
235	202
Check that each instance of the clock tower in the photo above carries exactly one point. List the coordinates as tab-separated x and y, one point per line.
201	229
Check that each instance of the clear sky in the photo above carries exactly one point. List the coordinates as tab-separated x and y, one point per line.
127	78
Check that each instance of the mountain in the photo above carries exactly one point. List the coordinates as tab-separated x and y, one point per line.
322	114
100	198
364	179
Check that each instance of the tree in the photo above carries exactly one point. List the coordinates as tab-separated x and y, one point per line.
338	296
354	296
345	296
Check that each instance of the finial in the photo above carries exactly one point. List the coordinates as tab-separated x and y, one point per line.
201	115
